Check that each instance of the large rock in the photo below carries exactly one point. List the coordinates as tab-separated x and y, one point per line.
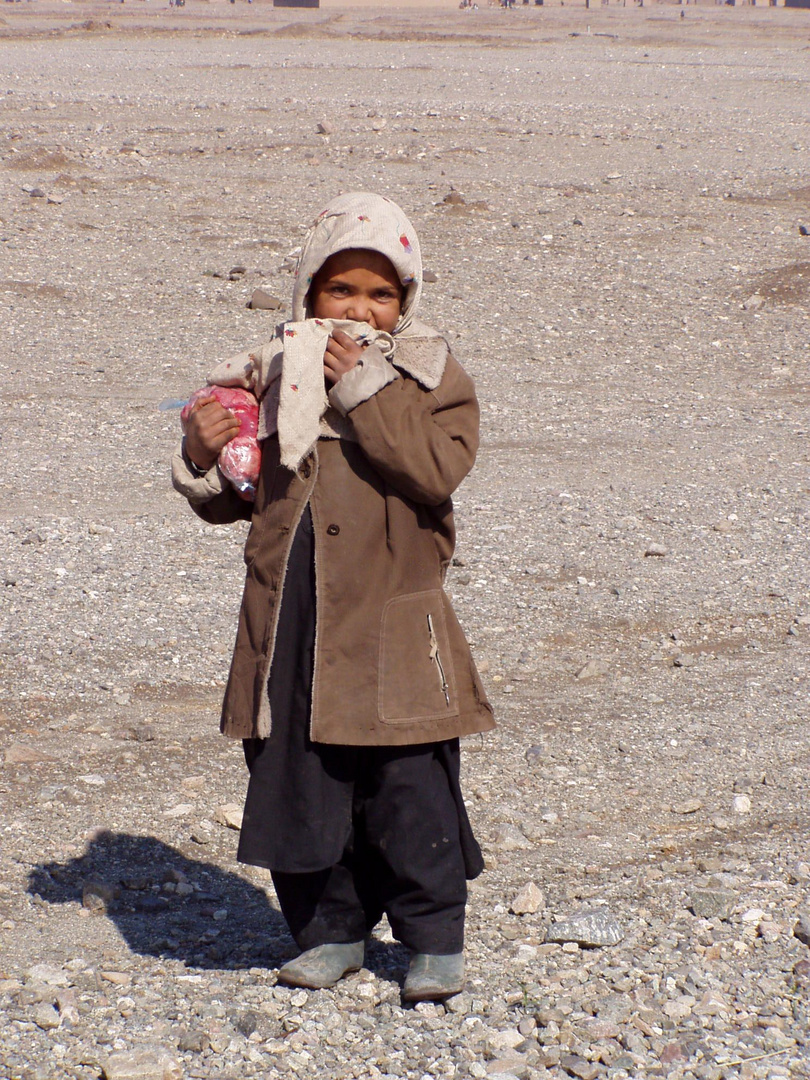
712	902
590	928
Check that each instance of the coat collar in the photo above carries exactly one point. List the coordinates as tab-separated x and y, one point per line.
422	353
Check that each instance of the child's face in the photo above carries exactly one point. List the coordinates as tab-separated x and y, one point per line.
357	284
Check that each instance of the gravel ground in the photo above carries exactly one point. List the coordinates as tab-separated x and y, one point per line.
612	204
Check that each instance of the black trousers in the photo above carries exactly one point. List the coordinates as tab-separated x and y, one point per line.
348	832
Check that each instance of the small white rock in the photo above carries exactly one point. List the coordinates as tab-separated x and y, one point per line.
741	804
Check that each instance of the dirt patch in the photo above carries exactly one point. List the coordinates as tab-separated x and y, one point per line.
30	290
38	160
786	285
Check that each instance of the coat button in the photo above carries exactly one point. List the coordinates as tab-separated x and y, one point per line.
306	470
332	530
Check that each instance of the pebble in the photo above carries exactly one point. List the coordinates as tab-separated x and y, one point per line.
741	804
509	837
754	302
528	900
712	902
579	1067
47	1017
802	928
594	669
144	1064
261	300
656	551
230	815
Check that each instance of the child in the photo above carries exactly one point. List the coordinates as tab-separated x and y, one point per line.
351	679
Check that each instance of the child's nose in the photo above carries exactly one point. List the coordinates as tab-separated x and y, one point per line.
359	309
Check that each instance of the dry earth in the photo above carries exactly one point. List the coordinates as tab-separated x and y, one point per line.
627	279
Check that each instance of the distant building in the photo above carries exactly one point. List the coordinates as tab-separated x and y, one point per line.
296	3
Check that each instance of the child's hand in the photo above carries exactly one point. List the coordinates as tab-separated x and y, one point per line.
208	429
342	354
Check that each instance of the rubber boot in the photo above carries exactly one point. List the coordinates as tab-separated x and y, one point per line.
323	966
432	978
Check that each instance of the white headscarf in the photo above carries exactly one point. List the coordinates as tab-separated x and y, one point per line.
361	219
287	374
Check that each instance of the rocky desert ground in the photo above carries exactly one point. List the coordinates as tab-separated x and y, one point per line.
614	205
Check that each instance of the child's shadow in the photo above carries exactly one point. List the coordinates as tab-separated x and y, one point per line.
169	905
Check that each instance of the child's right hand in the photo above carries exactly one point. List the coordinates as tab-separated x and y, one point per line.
208	428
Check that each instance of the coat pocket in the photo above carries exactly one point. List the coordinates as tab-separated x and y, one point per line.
417	680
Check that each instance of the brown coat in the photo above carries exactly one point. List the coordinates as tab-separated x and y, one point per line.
392	665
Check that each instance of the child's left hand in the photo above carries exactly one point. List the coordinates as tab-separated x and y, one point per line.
342	354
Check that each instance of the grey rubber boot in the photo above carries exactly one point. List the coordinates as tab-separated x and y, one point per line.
323	966
431	978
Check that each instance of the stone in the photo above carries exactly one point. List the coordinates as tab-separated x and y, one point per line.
511	1068
454	198
430	277
590	928
504	1040
741	804
46	1017
754	302
97	895
577	1066
230	815
323	129
535	755
712	1004
261	300
193	1042
202	833
744	785
151	1063
679	1008
656	551
528	900
459	1004
712	902
49	974
802	928
594	669
509	837
672	1052
684	660
689	806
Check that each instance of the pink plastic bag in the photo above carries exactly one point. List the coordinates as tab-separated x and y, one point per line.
241	458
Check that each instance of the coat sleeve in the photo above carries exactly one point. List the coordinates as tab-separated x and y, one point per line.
421	442
210	496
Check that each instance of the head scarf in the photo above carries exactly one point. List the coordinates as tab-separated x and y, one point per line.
360	219
287	374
